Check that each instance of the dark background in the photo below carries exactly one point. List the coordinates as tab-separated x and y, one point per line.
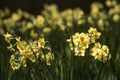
35	6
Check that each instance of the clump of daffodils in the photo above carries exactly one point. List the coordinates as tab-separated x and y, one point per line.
32	51
80	42
93	34
100	52
114	10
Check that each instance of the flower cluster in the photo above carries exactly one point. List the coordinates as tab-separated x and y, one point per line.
23	51
79	42
93	34
114	10
100	52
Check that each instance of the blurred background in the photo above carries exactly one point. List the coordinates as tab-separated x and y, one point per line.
35	6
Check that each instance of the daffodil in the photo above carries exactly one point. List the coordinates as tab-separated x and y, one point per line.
79	52
105	50
14	64
23	61
21	46
84	40
39	21
116	17
48	58
11	47
33	34
47	30
96	53
15	17
41	42
8	37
